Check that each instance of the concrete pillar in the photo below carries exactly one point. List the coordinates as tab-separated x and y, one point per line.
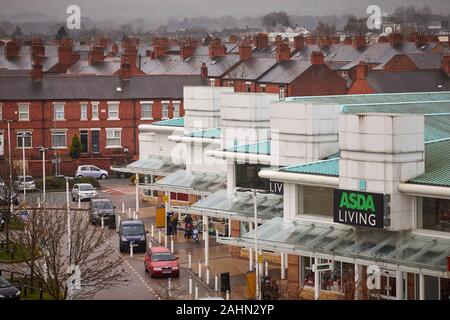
316	281
282	266
250	251
206	238
421	287
399	285
357	282
293	276
137	192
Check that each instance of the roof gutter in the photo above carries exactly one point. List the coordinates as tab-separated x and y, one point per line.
194	140
239	156
424	190
153	128
301	178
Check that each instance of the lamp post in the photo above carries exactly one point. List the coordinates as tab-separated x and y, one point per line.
68	217
23	135
43	150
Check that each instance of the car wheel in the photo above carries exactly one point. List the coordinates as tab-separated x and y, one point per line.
79	176
145	267
103	176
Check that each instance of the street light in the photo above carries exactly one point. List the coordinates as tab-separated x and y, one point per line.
255	192
43	150
68	216
23	135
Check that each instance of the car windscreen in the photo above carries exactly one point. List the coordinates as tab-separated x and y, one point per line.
102	205
4	283
163	256
27	179
87	187
131	230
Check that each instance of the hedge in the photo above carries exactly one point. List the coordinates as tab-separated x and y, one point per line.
59	183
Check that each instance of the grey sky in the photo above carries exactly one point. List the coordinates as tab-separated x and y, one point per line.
129	9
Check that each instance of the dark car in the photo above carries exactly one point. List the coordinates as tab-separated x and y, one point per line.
132	231
99	208
8	291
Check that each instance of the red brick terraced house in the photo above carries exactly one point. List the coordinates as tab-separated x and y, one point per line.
103	111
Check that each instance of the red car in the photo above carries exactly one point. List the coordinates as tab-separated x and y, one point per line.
159	261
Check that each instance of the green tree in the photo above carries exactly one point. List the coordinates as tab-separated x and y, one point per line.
75	147
17	33
61	34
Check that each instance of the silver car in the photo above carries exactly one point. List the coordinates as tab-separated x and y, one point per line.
22	183
82	191
91	171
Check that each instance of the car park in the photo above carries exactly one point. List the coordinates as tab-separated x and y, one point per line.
8	291
102	208
24	183
160	262
83	191
91	171
132	231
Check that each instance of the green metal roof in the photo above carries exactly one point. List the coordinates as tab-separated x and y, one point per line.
213	133
175	122
372	98
324	167
437	164
416	107
260	147
437	126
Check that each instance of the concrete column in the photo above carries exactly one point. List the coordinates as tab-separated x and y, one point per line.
421	287
357	282
399	285
137	192
316	281
250	251
206	235
282	266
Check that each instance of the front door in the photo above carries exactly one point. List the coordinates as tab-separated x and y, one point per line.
84	139
95	137
1	145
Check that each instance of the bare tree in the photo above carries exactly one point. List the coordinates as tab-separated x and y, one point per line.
238	73
7	196
169	291
87	266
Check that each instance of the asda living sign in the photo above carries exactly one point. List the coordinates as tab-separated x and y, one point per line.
359	208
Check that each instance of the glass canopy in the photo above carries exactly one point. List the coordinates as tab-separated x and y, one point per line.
196	183
153	165
237	206
401	249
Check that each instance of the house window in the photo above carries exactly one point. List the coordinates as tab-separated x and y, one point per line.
58	112
24	112
165	110
95	111
248	87
176	109
59	139
212	82
282	94
231	83
24	139
83	112
113	111
262	88
147	110
113	138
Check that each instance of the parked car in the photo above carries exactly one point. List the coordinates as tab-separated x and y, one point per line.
99	208
8	291
24	183
91	171
159	261
132	231
83	191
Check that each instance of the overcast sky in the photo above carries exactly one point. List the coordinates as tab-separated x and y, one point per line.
110	9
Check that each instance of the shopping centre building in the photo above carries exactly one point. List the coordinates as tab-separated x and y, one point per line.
352	192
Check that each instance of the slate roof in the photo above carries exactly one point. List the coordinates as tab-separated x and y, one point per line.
251	69
286	71
107	67
54	87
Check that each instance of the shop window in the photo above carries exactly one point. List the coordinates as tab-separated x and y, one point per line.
179	196
247	176
434	214
445	289
315	201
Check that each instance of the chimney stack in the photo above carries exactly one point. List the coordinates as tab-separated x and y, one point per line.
317	57
11	49
335	40
160	46
245	50
420	39
359	42
232	38
283	52
261	41
396	39
216	49
204	71
125	70
361	71
65	52
103	42
348	41
36	71
96	54
323	42
37	47
186	50
299	43
445	65
115	49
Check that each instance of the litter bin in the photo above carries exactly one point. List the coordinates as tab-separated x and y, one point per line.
160	216
225	282
251	285
112	221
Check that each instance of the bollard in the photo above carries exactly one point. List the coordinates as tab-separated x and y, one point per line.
79	202
118	222
152	231
216	283
131	249
123	207
169	288
129	213
189	261
103	222
266	268
227	295
135	215
207	276
217	235
159	236
190	286
196	292
200	269
165	241
171	244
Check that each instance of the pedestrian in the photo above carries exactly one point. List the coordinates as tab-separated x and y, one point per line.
169	223
187	226
174	223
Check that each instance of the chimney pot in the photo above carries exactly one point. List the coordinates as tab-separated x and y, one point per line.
317	57
11	49
36	72
283	52
299	42
245	51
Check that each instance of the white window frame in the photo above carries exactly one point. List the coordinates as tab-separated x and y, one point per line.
261	87
165	107
110	104
282	92
176	109
95	108
65	139
55	112
108	131
147	103
83	113
18	138
27	106
212	82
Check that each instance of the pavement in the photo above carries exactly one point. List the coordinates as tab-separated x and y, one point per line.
139	285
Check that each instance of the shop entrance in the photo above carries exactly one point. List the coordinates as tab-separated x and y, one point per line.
388	286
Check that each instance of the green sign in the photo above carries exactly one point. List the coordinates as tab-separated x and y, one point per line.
359	208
